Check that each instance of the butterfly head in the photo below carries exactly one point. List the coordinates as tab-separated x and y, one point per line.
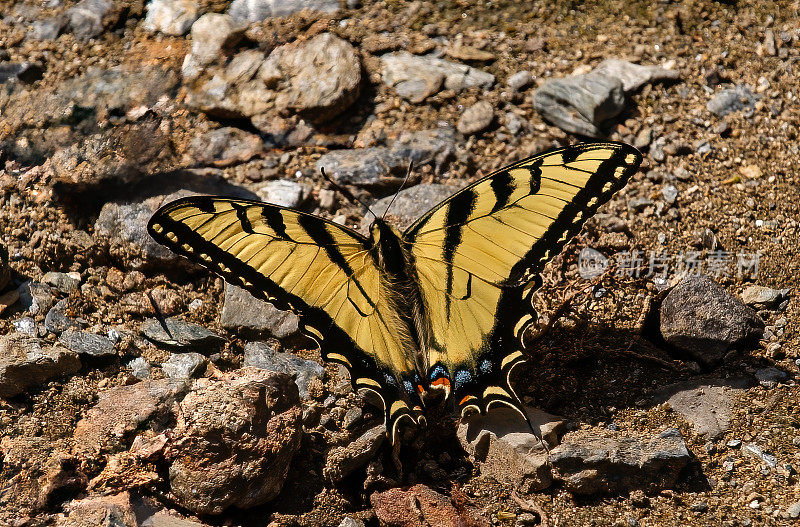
385	240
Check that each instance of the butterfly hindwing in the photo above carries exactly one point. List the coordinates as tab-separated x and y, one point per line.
321	270
478	253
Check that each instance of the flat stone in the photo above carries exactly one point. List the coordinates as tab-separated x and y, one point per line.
36	297
760	297
234	440
634	76
109	426
64	282
344	460
410	204
589	465
224	147
700	317
476	118
417	77
25	364
519	80
211	34
501	445
89	18
258	10
56	321
770	377
381	167
177	333
140	368
100	511
580	104
48	28
283	192
244	313
171	17
261	355
706	404
184	365
85	343
420	506
732	100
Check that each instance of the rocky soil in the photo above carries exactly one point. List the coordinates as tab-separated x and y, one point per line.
137	390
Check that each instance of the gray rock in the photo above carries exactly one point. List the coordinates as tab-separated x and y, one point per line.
57	321
351	522
283	192
515	123
109	426
140	368
126	224
178	333
25	325
184	365
669	193
320	77
417	77
212	33
411	203
701	317
634	76
502	446
89	18
24	364
385	167
344	460
224	147
590	465
27	72
64	282
640	204
171	17
732	100
770	377
244	313
760	297
234	440
262	356
794	510
476	118
706	405
755	451
580	104
352	417
519	80
257	10
36	297
48	28
85	343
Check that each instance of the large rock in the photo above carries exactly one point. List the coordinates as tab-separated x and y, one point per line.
417	77
234	440
344	460
700	317
581	104
588	465
261	355
706	405
25	364
171	17
257	10
502	446
421	506
244	313
317	79
634	76
386	167
111	423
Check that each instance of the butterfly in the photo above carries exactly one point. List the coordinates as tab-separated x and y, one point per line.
442	306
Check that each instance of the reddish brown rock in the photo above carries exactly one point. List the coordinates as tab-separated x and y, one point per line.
234	440
420	506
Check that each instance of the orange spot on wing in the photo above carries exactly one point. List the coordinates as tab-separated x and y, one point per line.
442	381
420	389
465	399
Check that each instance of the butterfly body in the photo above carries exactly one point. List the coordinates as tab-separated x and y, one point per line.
442	306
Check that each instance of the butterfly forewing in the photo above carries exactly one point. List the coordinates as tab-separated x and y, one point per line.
496	235
322	271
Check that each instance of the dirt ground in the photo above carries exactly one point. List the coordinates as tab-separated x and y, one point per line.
602	364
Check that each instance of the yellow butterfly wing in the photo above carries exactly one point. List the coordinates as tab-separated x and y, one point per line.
478	254
324	272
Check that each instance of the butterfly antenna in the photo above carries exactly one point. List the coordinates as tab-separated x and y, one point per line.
408	175
346	193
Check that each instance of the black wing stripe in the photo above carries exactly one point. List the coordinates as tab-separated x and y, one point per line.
458	210
503	186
